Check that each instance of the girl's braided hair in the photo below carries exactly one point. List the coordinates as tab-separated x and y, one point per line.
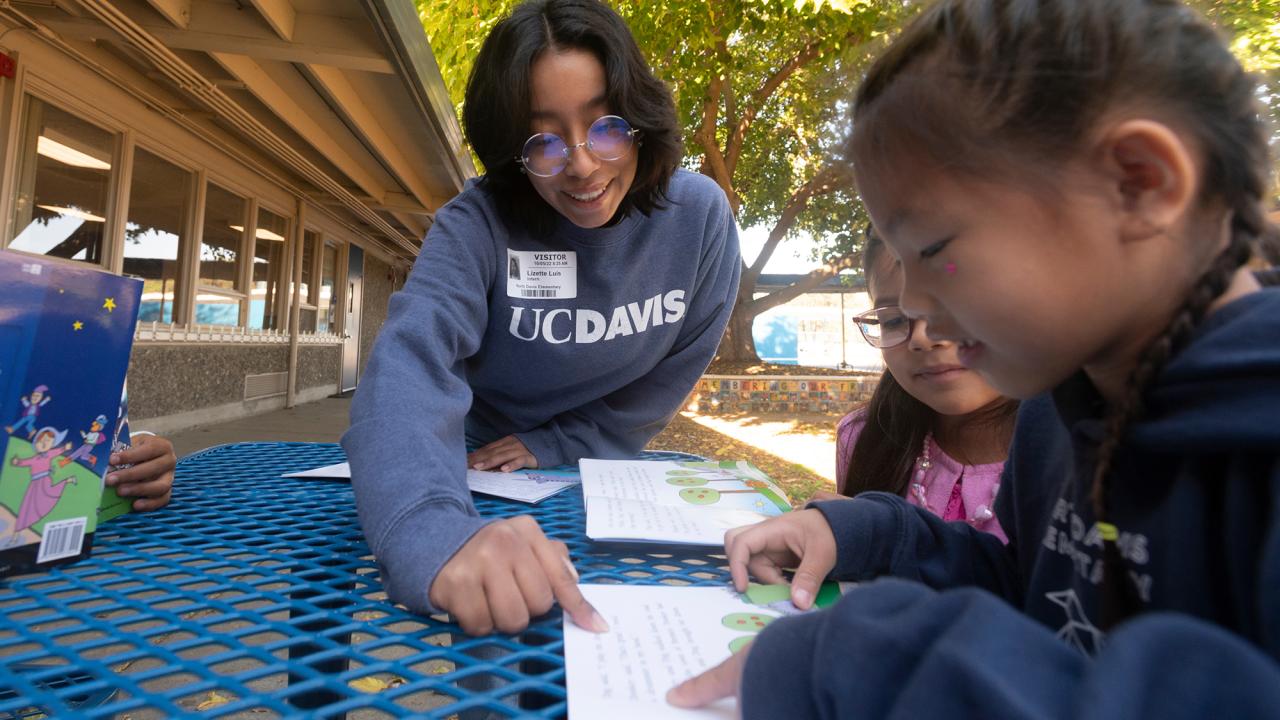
983	86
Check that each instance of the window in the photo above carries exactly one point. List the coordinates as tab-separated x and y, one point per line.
219	294
266	307
307	288
64	184
159	198
325	300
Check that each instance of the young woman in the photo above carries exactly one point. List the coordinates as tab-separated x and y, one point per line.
562	307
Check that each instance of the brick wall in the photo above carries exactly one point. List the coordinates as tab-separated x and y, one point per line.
754	394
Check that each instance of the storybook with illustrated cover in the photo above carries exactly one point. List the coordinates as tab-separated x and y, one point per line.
65	337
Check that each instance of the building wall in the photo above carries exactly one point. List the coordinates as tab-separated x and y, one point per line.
319	367
816	329
173	387
380	281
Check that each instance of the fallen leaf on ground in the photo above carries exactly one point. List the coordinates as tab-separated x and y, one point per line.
375	684
213	701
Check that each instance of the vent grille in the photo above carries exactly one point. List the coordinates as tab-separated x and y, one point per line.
265	385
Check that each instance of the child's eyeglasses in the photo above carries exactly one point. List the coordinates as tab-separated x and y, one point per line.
546	154
884	327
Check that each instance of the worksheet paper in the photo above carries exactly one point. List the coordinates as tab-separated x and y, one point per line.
659	636
675	502
529	486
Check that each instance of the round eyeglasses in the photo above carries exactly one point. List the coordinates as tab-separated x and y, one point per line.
546	154
884	327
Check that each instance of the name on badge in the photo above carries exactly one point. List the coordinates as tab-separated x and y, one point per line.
542	275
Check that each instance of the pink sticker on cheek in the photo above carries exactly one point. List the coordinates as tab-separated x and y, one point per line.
951	268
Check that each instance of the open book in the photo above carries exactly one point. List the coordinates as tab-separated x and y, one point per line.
660	636
65	337
663	501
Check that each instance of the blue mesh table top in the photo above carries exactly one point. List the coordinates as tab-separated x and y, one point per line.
255	596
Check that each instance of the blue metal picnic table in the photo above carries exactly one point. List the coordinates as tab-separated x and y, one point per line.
255	596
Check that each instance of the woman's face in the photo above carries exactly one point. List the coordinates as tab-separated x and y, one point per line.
928	369
568	95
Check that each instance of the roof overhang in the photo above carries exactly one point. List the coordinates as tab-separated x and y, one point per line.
342	97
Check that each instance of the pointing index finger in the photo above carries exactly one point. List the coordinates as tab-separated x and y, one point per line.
564	585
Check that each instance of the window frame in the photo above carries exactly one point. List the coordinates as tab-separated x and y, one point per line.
20	135
183	302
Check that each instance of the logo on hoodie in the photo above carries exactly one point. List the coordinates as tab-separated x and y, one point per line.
586	326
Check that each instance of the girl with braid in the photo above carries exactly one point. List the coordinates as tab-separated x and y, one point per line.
1075	190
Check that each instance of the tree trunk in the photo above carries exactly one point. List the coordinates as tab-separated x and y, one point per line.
738	344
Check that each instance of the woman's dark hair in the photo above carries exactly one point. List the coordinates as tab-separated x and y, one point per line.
1015	86
497	110
884	455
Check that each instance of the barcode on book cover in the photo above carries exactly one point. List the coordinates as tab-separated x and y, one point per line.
63	538
538	293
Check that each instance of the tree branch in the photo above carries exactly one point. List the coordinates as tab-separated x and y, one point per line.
834	176
738	130
730	97
802	286
713	165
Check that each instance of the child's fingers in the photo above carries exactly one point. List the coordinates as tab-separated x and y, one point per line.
148	504
739	555
748	552
720	681
147	448
145	489
154	468
766	570
812	570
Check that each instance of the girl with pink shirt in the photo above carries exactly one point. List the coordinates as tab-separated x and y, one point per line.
934	431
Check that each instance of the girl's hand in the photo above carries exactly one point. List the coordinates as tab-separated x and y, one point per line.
506	455
150	479
801	539
721	681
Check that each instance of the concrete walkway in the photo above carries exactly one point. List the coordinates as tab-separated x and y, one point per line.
322	421
784	436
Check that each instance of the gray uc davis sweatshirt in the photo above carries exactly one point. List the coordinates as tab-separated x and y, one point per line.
582	343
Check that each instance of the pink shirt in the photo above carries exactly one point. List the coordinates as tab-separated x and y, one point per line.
951	489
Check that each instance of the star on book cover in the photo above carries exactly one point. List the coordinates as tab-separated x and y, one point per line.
65	337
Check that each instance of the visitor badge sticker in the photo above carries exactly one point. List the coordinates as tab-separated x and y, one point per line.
542	275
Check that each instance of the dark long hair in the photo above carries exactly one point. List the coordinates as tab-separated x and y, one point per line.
884	455
1015	86
497	110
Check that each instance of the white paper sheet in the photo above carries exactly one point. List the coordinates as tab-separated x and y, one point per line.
675	502
659	636
339	471
530	486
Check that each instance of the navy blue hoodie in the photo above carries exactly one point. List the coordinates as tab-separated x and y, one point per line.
993	631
